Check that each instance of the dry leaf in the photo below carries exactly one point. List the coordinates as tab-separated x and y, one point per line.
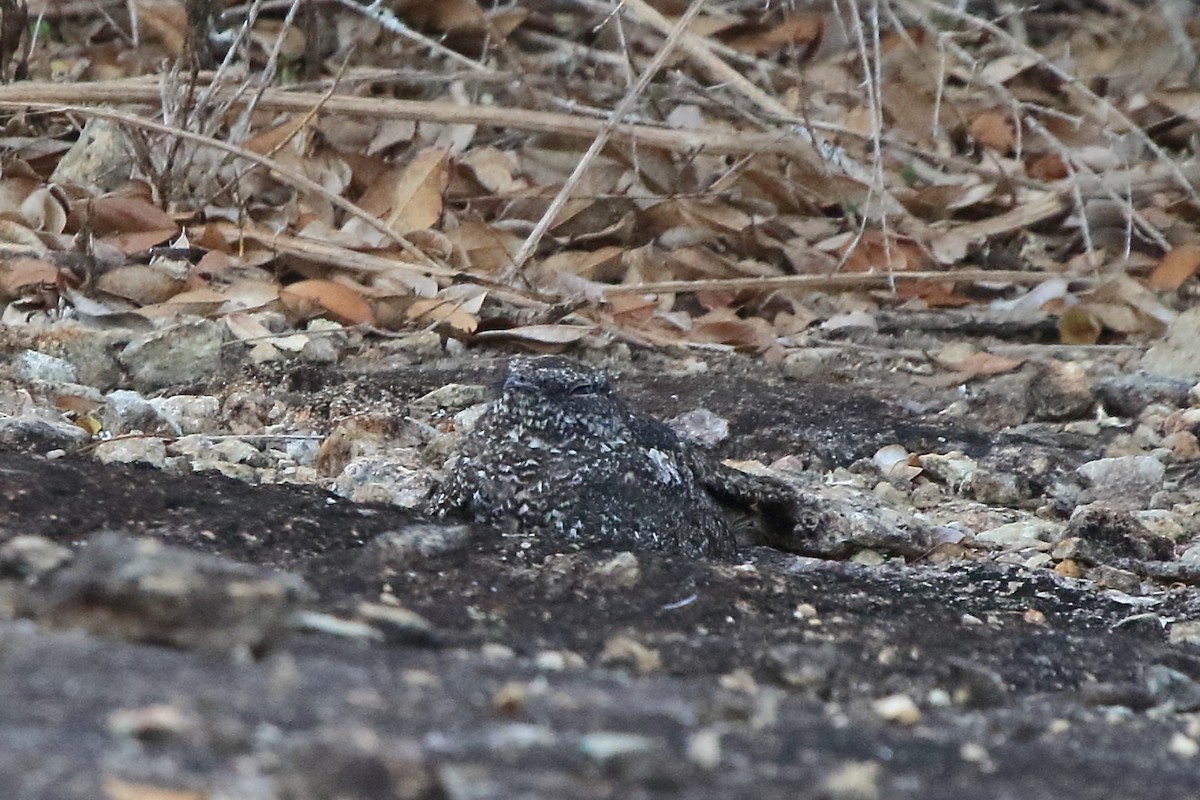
981	363
872	251
1176	267
795	30
275	138
20	275
541	334
416	197
995	130
493	169
345	304
143	284
1048	167
164	20
456	306
1077	325
115	214
140	241
724	326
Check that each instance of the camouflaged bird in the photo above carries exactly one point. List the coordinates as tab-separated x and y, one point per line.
558	453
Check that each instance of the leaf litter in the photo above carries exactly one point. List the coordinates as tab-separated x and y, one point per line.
398	169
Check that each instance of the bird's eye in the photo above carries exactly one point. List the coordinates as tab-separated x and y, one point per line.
581	389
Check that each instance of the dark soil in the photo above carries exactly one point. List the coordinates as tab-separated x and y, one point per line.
541	679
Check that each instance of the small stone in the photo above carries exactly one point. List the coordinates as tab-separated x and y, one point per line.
1184	445
1068	568
185	353
704	748
1172	689
125	411
414	544
139	450
452	395
32	365
421	345
398	625
975	753
494	651
1122	580
558	660
604	746
31	556
837	521
867	558
1183	746
802	666
510	698
1036	533
624	652
321	350
700	427
31	432
805	611
93	354
622	571
809	362
953	469
1129	395
974	685
1177	355
1105	534
1060	391
187	413
331	625
1128	481
383	480
926	496
853	780
898	708
1185	632
999	488
154	723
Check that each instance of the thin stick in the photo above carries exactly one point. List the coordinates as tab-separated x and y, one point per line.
450	113
847	280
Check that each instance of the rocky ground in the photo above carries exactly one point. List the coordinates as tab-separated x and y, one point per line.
1000	601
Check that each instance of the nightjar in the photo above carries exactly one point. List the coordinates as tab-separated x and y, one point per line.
557	453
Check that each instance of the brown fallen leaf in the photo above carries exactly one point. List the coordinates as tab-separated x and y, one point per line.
795	30
982	363
1176	267
723	326
416	197
1077	325
117	214
143	284
306	299
995	130
456	306
20	275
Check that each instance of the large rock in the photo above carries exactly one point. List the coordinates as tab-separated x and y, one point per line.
142	590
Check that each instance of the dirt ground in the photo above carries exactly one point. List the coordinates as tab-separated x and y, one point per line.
537	673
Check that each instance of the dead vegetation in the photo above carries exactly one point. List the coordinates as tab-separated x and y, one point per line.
725	174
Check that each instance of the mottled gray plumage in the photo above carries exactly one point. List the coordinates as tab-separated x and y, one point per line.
559	453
